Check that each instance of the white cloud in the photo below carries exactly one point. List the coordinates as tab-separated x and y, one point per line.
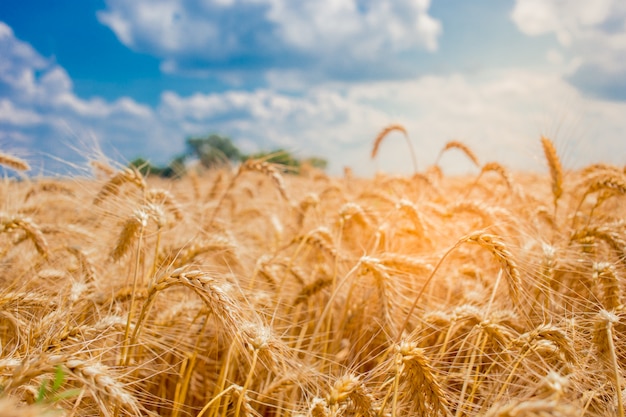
193	36
501	119
39	109
11	115
594	32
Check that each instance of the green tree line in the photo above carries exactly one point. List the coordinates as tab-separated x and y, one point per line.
215	150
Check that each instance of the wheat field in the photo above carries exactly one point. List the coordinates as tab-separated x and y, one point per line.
253	292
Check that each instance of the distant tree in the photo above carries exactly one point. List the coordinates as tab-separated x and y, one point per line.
145	167
175	169
213	150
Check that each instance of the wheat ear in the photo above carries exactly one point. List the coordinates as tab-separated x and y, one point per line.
421	382
268	170
496	167
500	251
556	170
112	187
603	339
164	197
350	388
131	230
13	162
454	144
383	134
31	230
606	273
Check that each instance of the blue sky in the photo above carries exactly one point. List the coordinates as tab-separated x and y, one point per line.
317	77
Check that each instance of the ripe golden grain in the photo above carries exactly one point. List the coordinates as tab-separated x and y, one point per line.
269	307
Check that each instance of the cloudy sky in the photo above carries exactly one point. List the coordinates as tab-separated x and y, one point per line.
316	77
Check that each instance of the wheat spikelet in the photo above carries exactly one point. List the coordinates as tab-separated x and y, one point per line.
30	229
556	171
160	196
131	230
612	183
353	211
595	169
243	401
112	187
454	144
86	331
383	283
420	381
268	170
350	388
553	386
554	335
94	375
319	408
320	238
10	299
206	287
604	233
500	251
13	162
605	272
408	208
